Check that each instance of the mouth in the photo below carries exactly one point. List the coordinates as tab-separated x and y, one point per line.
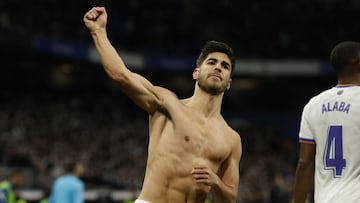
215	76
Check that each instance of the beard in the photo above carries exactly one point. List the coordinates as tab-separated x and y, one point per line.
212	89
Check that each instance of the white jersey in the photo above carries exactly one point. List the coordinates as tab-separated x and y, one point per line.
331	120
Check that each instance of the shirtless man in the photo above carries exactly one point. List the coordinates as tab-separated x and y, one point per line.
192	150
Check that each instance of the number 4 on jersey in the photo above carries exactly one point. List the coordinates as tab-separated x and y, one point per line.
333	156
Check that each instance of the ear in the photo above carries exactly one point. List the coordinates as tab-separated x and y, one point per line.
196	73
229	84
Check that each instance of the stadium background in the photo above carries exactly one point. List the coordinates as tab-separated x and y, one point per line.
57	102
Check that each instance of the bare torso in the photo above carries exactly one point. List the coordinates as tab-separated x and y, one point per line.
188	138
177	143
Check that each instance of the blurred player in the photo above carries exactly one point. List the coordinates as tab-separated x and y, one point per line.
8	188
330	135
69	188
190	142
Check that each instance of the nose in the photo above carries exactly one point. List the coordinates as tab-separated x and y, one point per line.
218	68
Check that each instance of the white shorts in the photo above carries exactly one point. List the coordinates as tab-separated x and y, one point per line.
141	201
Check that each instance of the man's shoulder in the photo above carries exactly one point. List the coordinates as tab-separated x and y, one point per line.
68	179
233	135
319	98
231	131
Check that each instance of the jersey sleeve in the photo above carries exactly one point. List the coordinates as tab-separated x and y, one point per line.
306	134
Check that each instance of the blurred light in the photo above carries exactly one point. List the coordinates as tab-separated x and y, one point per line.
61	76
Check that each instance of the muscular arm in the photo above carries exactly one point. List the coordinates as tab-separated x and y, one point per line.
304	172
225	190
140	90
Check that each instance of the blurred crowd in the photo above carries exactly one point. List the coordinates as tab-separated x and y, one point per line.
267	168
40	131
256	29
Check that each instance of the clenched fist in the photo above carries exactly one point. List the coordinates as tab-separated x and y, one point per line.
95	19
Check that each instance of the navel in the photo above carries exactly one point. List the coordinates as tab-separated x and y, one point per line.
187	138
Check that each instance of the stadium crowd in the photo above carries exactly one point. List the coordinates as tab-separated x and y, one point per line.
256	29
40	129
42	133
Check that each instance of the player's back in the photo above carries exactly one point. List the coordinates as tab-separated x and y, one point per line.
67	189
333	119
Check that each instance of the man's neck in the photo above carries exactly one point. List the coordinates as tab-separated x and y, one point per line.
208	104
352	78
349	82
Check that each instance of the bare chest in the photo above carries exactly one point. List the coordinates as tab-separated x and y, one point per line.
192	137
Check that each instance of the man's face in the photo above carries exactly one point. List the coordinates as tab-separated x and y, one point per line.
17	180
213	75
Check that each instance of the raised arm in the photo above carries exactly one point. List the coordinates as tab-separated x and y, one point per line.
140	90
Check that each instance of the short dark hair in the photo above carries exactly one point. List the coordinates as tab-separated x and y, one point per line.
344	54
215	46
70	165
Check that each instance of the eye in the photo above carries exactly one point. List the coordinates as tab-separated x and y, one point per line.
211	62
225	66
